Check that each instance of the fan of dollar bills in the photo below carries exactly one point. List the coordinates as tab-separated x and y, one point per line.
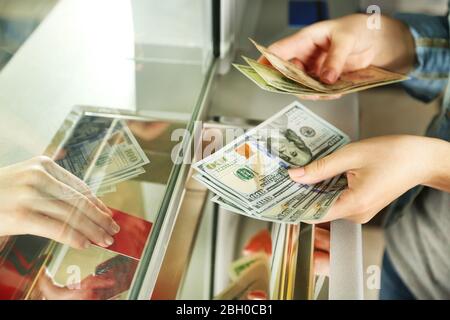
287	78
250	176
102	151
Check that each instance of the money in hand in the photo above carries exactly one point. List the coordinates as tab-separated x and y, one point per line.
286	77
250	175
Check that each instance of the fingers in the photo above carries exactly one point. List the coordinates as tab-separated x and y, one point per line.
301	45
71	180
287	48
46	194
353	205
321	251
263	60
330	166
40	225
73	217
98	282
340	49
49	290
76	202
321	263
86	291
322	239
314	65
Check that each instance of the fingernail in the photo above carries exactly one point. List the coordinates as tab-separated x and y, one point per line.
296	173
115	227
109	241
329	76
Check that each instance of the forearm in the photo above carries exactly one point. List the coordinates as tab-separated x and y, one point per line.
439	177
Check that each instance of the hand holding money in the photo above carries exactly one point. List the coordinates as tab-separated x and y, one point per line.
340	56
378	171
249	175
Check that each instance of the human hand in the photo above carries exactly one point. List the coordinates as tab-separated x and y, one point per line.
90	288
147	131
41	198
321	255
329	48
378	171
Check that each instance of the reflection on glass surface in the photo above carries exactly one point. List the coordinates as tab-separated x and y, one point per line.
321	258
127	164
173	52
133	55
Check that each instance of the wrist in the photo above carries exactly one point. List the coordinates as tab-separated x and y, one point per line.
395	34
438	176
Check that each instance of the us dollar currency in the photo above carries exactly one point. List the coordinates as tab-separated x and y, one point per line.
250	174
276	79
307	205
253	75
348	82
103	152
270	79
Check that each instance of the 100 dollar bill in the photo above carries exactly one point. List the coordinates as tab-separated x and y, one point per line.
251	171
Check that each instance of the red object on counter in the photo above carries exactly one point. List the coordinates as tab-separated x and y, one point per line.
132	236
260	242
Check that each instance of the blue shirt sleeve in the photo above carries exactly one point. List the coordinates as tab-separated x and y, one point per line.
430	74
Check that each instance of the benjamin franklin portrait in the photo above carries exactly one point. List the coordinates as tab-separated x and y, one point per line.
289	147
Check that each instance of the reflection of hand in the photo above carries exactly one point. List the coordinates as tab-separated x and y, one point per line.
322	251
257	295
90	288
329	48
147	130
41	198
379	170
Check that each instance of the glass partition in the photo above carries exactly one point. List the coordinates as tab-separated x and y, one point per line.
143	69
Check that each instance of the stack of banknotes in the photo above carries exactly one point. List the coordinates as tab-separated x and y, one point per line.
287	78
103	152
250	176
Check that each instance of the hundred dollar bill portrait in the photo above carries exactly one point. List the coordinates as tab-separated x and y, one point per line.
285	143
289	147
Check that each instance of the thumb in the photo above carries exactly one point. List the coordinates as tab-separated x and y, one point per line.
341	47
322	169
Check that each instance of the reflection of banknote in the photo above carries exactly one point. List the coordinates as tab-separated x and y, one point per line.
242	264
287	77
102	190
254	277
250	177
103	151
